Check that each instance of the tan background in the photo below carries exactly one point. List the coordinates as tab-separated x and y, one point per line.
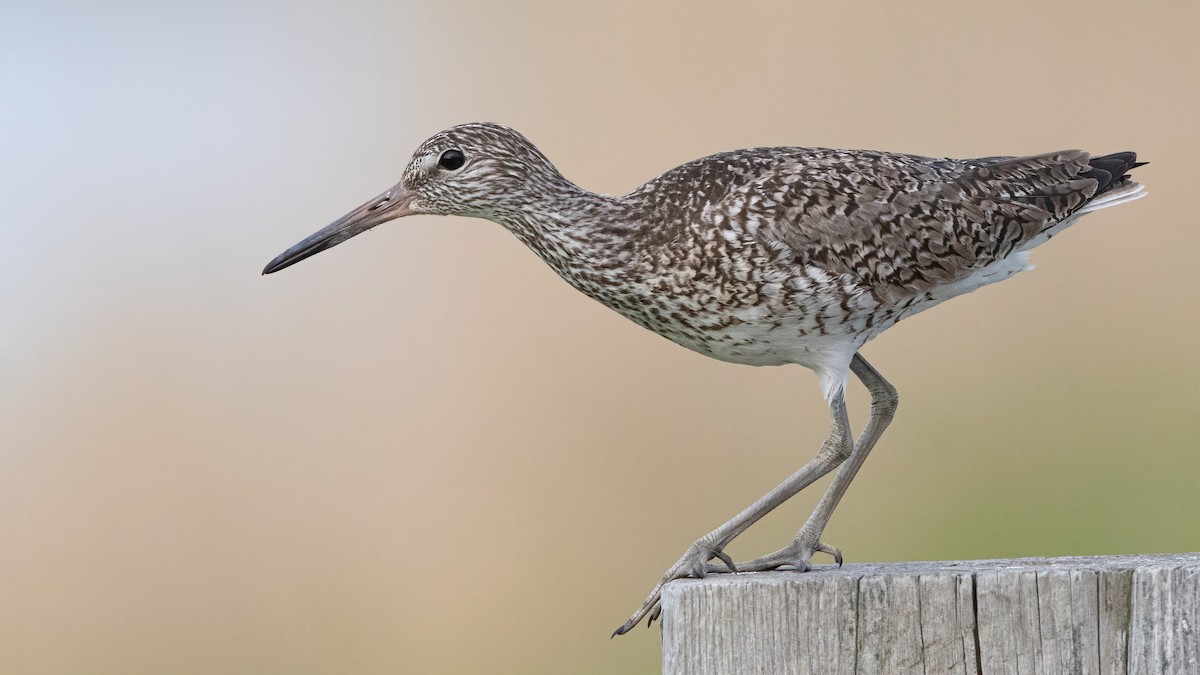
422	452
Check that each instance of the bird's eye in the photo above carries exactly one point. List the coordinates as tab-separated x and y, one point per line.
452	159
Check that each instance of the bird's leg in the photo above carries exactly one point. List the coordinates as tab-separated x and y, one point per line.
798	554
694	563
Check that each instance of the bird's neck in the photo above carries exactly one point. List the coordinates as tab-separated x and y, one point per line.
567	221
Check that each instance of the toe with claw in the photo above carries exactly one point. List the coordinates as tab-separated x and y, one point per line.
694	563
797	554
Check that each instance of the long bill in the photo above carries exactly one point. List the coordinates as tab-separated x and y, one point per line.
395	203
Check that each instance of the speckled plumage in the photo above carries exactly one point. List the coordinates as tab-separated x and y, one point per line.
763	256
769	256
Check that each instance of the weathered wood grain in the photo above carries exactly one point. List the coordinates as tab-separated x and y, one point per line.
1116	615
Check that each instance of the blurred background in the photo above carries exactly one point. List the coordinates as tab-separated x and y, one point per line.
422	452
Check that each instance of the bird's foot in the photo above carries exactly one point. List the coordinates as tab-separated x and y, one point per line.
797	554
694	563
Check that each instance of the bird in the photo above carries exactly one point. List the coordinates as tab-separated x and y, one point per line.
762	256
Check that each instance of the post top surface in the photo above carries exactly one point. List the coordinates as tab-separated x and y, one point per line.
857	570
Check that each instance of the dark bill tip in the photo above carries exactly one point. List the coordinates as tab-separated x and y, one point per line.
312	245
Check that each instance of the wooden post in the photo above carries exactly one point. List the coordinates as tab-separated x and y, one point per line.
1115	615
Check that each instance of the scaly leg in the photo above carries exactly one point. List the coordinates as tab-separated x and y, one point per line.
694	563
798	554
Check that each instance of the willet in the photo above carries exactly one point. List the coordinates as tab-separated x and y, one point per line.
764	257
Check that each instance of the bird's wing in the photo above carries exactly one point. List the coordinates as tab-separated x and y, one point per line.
903	224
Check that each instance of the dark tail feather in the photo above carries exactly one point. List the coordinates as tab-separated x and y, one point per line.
1111	170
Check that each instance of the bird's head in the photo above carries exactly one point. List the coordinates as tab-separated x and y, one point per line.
482	169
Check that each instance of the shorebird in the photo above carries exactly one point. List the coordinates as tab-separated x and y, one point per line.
765	256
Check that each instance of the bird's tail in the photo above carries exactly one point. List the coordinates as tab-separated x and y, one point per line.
1115	186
